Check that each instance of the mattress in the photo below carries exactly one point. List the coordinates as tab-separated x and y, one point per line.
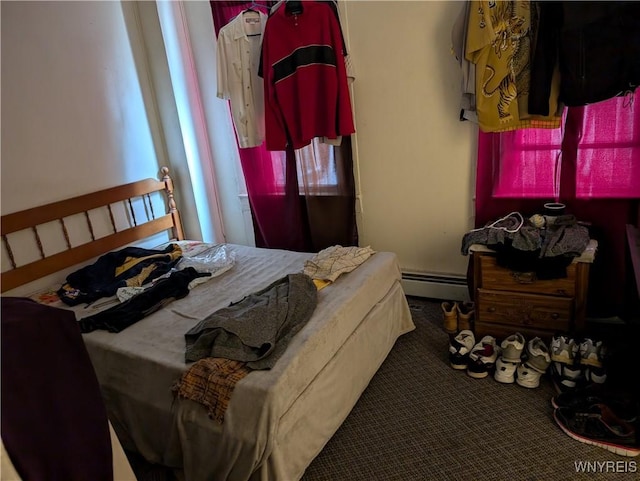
278	419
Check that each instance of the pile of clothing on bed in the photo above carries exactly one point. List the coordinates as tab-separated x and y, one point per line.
144	280
225	346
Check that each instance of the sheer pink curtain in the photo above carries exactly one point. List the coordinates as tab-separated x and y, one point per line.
592	165
303	199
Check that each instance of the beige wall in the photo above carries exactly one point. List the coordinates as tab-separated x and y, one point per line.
415	158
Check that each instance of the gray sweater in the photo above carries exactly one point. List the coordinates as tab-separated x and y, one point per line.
564	238
258	328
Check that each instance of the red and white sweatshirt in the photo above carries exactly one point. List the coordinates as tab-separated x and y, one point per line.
305	80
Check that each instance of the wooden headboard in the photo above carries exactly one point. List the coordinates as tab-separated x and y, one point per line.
137	229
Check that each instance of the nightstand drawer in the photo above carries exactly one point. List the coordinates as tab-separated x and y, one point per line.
499	278
502	331
524	310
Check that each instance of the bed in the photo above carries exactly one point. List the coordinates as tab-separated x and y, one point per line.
278	420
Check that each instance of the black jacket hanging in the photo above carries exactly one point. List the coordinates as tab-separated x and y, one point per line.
597	47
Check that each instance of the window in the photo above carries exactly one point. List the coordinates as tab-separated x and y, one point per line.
602	140
316	168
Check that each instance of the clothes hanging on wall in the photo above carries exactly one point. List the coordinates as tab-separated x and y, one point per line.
534	58
498	42
596	46
238	60
305	80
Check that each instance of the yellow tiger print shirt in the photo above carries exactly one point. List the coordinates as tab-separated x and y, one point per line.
499	42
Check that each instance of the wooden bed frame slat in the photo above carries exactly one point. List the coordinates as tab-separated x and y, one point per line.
31	218
77	205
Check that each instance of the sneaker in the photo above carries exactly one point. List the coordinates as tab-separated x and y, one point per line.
482	357
465	315
567	377
563	349
536	355
527	376
581	399
595	375
505	370
599	426
450	312
459	349
591	352
512	347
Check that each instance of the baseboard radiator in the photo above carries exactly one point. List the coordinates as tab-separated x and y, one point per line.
435	286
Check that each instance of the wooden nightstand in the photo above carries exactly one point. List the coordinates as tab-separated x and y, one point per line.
507	301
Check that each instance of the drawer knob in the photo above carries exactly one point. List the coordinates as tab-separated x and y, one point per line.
555	315
491	309
524	277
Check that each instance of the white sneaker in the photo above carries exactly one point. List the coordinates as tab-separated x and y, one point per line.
505	370
482	357
591	353
527	377
563	349
512	347
459	349
536	355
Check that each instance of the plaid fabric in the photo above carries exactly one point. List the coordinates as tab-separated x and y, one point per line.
210	382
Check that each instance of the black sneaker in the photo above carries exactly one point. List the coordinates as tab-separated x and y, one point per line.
567	377
580	399
599	426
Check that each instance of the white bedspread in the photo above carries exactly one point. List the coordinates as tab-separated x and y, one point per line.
137	367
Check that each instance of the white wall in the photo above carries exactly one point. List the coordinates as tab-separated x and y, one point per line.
73	116
231	186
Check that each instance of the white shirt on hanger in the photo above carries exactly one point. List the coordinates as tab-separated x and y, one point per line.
238	59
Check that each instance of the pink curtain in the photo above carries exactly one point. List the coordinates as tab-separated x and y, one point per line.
591	164
302	200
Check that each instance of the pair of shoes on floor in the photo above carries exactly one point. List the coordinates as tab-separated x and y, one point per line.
576	362
478	359
458	316
596	416
522	362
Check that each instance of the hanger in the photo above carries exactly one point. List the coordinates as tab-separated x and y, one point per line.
254	6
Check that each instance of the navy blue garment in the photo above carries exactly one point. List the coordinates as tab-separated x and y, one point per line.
100	280
166	290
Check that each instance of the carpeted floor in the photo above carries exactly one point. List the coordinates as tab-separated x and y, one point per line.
421	420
